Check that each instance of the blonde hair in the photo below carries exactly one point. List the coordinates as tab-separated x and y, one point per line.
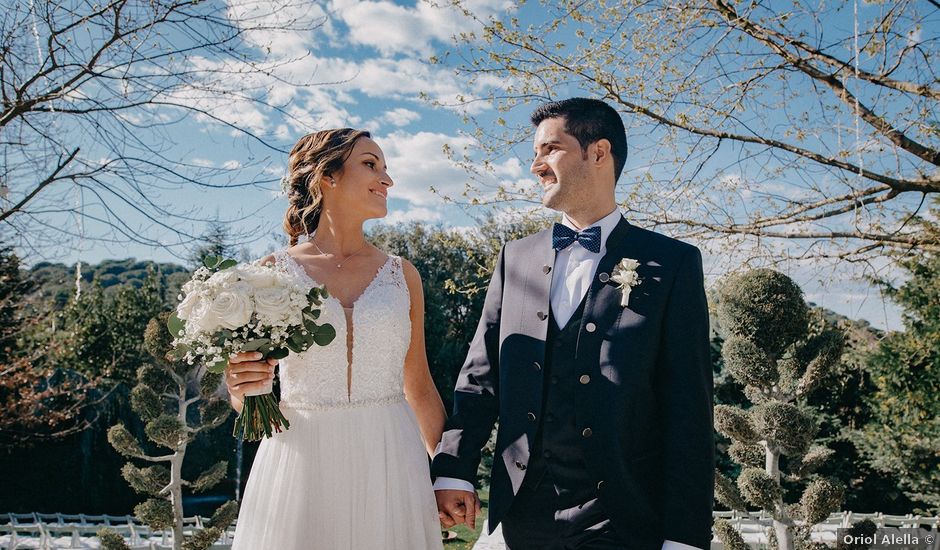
314	157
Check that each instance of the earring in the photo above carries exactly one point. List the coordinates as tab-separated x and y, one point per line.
332	182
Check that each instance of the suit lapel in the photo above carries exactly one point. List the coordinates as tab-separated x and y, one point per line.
540	271
602	303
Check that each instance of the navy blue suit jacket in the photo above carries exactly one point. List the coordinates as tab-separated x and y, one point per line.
649	401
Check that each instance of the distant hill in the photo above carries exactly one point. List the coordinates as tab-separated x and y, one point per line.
56	281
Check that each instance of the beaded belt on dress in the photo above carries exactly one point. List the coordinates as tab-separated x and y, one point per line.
299	405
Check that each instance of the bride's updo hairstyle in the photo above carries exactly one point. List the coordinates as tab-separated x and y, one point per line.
315	157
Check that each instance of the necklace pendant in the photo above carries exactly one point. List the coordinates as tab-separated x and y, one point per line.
339	266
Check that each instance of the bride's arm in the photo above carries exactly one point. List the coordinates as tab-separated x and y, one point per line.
419	386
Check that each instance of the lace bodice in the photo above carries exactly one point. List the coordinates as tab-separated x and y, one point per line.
381	328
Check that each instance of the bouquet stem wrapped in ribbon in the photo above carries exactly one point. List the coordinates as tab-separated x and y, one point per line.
228	308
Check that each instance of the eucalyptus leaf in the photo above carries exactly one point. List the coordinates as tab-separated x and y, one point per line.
256	344
278	353
311	327
176	325
217	366
325	334
211	261
227	264
294	346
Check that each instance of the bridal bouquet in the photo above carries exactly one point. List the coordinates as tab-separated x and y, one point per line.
227	308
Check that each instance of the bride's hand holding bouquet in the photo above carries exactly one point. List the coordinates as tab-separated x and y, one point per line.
242	313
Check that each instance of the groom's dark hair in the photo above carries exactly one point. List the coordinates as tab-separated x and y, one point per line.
589	120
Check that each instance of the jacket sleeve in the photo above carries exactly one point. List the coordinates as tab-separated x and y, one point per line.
476	396
684	393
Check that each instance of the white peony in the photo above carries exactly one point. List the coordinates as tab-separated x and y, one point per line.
272	303
232	307
185	308
257	276
201	318
224	278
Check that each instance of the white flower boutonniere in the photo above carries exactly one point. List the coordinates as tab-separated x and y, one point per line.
626	276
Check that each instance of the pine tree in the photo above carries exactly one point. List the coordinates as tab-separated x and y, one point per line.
903	437
771	349
164	396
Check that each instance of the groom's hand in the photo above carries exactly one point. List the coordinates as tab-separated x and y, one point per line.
455	507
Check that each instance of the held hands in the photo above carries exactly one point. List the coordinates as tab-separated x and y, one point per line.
246	372
455	507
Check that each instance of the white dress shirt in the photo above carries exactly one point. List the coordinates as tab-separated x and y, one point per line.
574	270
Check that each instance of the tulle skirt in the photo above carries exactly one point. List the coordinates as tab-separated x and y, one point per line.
351	478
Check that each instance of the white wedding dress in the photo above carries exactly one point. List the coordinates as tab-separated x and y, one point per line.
352	472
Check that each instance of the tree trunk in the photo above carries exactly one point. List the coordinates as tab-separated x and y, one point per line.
176	497
781	518
176	474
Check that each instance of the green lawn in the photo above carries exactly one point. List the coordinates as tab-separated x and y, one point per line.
465	536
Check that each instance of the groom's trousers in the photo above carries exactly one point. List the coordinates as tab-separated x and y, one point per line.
540	520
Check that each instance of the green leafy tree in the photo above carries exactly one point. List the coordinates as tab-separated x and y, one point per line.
770	349
13	286
217	241
903	436
164	397
100	330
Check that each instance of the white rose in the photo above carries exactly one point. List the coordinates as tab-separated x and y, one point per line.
272	303
224	278
257	276
232	307
201	317
185	308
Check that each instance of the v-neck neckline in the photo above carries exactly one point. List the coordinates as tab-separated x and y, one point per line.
330	294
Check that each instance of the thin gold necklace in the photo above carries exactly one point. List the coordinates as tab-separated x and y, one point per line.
339	265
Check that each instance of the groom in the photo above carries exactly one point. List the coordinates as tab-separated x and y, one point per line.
596	367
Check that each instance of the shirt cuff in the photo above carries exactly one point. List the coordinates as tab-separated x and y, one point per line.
672	545
453	484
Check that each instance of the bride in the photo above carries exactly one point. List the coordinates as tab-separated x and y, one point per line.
350	473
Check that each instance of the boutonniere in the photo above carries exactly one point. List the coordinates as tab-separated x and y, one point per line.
626	276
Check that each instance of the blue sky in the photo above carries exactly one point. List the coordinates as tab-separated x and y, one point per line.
371	60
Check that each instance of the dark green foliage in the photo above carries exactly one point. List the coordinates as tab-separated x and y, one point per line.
155	512
820	498
747	455
765	307
13	286
777	351
759	488
209	384
729	537
735	423
111	539
211	477
146	402
122	441
786	425
728	494
214	411
747	363
903	436
166	430
149	480
101	331
156	378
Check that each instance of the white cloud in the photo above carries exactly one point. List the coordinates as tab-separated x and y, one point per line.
394	29
401	117
413	214
417	163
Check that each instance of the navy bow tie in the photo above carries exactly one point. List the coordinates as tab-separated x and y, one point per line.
563	236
